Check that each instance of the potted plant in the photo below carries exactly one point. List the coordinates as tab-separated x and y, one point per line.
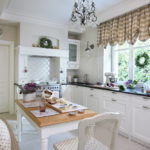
131	84
28	91
75	78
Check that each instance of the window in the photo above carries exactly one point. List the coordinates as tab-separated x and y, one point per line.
123	61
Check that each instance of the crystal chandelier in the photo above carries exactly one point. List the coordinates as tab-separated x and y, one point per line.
84	12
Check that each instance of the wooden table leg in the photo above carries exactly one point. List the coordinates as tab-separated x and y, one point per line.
44	143
19	125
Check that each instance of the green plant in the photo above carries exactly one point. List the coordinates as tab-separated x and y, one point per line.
75	76
142	60
121	87
45	43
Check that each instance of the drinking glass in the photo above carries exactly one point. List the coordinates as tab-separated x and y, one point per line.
42	105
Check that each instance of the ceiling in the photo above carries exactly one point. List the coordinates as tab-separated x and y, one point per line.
58	11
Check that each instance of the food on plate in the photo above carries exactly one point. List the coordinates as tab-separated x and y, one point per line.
52	100
46	94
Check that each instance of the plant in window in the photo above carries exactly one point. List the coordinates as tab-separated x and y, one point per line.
131	84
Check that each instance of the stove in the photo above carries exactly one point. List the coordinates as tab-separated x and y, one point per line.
55	88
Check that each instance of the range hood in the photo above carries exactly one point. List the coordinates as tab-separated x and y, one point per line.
44	52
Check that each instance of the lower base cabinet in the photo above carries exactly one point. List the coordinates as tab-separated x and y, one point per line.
77	94
135	110
141	122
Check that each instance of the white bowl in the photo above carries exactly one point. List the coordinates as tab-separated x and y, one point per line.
72	113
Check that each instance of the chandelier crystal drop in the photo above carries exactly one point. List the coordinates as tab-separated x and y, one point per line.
84	12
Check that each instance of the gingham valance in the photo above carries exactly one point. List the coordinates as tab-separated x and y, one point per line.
128	27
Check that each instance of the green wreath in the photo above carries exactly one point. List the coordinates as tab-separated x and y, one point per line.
142	60
45	43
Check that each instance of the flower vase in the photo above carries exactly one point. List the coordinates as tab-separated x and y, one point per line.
29	97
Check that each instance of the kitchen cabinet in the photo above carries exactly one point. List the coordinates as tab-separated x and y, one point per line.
74	54
116	102
91	99
77	94
66	91
135	110
141	119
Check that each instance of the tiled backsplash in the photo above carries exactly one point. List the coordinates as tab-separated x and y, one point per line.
39	68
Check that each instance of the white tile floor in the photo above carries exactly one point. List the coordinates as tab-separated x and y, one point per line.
30	140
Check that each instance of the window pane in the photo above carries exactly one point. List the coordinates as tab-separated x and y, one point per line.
142	74
72	52
123	59
123	46
140	43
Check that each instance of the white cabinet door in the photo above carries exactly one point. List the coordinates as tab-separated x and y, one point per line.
118	102
74	54
66	92
77	94
92	99
141	122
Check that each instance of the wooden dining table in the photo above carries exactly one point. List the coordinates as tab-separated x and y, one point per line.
50	125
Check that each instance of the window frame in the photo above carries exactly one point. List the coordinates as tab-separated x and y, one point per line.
131	63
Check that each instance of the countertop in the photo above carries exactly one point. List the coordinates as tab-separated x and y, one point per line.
127	91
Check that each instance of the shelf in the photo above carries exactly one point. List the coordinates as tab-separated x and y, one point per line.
37	51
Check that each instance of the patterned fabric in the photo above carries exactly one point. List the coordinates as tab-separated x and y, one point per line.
72	144
5	140
128	27
94	144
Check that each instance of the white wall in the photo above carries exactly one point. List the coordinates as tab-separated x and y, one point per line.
30	33
121	8
9	33
92	63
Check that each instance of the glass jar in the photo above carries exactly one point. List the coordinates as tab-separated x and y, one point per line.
42	104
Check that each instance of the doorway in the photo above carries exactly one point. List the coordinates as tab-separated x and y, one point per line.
6	77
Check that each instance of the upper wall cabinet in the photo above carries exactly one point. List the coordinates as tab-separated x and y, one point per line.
74	54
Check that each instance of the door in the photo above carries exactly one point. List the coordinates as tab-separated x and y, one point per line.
4	78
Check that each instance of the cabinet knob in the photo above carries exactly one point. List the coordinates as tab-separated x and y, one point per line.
91	95
114	92
91	89
146	98
114	100
146	107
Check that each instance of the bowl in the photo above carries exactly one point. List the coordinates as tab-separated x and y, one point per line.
81	111
72	113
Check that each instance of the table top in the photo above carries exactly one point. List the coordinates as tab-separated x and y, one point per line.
56	119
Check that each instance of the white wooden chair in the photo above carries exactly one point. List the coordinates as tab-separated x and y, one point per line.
95	133
7	138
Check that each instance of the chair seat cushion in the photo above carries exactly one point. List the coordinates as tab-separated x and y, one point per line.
5	139
70	144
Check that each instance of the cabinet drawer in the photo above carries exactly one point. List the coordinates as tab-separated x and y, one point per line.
115	105
141	99
93	92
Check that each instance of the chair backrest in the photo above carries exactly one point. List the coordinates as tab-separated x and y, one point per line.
7	138
99	132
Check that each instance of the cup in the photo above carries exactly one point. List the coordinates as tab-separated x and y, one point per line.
42	105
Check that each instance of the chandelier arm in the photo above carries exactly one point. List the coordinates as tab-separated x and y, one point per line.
84	11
